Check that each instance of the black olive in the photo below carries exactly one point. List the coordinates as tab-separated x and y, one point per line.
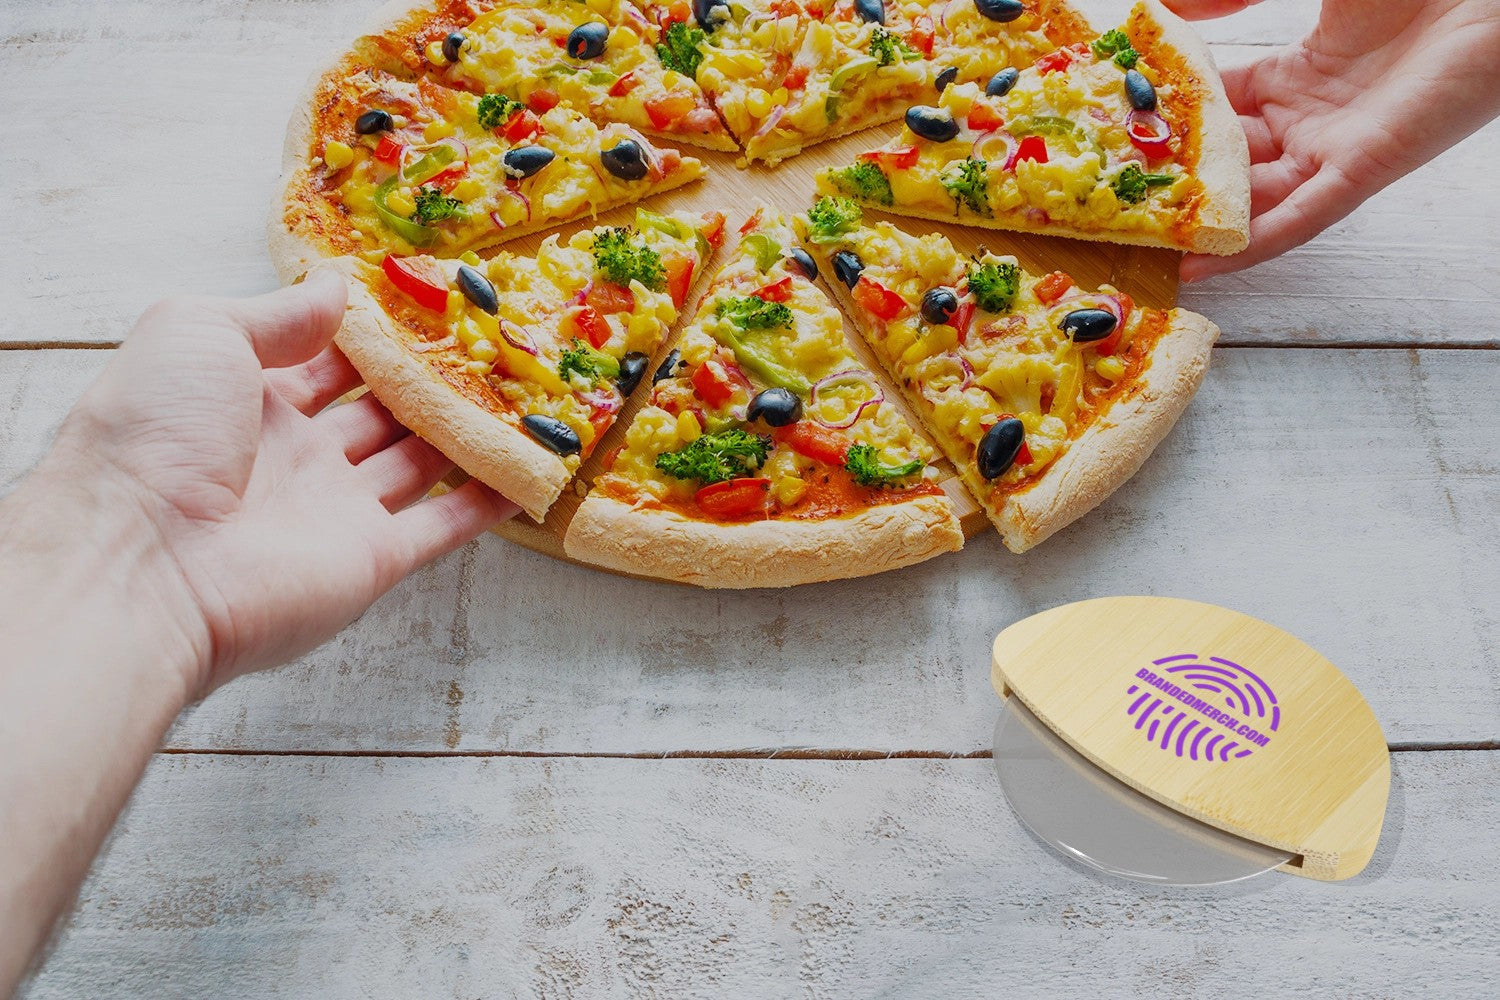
939	304
452	44
552	433
776	406
587	40
1142	95
999	447
804	262
1000	10
373	121
871	11
668	367
1086	325
632	370
710	13
523	161
477	289
1002	81
625	160
933	124
846	267
946	77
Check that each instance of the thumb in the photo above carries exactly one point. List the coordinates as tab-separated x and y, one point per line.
291	325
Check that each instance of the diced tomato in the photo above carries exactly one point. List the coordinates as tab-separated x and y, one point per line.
983	118
716	381
668	160
421	278
1023	457
1050	287
962	318
776	291
607	297
713	228
785	8
796	77
542	100
679	268
667	109
900	159
751	223
1048	395
1056	62
448	178
1153	150
815	11
922	34
734	498
878	300
678	10
608	461
389	150
522	125
819	443
1033	147
588	322
601	418
623	85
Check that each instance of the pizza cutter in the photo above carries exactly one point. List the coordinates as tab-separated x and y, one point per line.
1180	743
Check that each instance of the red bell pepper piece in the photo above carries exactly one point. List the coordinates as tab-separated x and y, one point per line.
389	150
734	498
819	443
542	100
522	125
589	323
1033	147
608	297
983	118
1050	287
679	269
419	277
776	291
900	159
713	228
878	300
715	382
922	34
623	85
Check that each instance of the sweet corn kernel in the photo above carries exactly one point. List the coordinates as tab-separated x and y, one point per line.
780	96
455	307
620	39
688	428
470	257
468	189
758	102
788	490
400	201
468	332
435	53
337	155
437	130
1111	368
484	350
673	80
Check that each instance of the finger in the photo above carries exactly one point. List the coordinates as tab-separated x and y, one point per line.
311	386
363	426
404	472
441	524
1272	183
291	325
1263	145
1197	10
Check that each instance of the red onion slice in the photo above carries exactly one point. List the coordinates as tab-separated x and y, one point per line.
995	146
771	122
1148	126
495	218
527	345
850	376
962	369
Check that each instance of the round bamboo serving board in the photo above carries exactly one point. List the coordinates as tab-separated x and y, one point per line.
1149	275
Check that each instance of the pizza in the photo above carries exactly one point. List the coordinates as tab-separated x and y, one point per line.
1044	395
515	366
1127	137
767	453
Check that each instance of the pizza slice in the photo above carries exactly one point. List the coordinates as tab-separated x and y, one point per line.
605	59
409	165
1046	396
515	366
1128	138
767	454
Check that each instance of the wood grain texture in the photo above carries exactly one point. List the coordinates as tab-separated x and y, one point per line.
294	878
1350	497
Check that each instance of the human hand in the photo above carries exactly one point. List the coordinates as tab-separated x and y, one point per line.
1375	91
282	520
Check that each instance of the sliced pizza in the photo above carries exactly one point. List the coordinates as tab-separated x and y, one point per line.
767	454
605	59
410	165
1046	396
1128	138
514	367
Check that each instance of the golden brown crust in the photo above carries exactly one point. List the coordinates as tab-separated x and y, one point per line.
666	545
480	442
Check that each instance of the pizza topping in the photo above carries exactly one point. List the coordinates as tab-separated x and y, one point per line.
452	46
1086	325
681	47
496	109
587	41
734	498
870	11
1139	92
764	249
1131	183
1000	10
717	458
433	206
994	285
821	444
669	366
932	124
587	363
778	407
625	160
524	161
804	262
831	218
553	433
888	49
710	13
866	181
632	369
1116	44
373	121
847	267
478	289
1149	132
624	261
1050	287
968	184
751	312
939	305
1000	447
865	466
418	277
877	299
1001	83
944	78
856	377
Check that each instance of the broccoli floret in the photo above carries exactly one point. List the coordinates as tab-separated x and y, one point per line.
622	260
751	312
1131	183
584	360
888	48
867	469
970	185
680	48
495	110
830	218
994	285
433	207
1116	43
866	181
715	458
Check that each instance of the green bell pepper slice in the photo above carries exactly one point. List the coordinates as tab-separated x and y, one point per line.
765	250
754	361
414	233
851	69
430	165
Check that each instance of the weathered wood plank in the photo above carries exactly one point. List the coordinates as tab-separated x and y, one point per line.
1349	496
591	878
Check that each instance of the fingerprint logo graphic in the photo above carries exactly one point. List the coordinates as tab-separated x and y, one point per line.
1203	708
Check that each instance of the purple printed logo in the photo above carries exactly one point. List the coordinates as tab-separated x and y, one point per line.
1178	707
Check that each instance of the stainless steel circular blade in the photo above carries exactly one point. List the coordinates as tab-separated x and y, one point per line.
1098	820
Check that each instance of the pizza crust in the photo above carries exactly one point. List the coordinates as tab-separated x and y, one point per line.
486	446
666	545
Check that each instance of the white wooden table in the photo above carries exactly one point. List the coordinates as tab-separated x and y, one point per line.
769	794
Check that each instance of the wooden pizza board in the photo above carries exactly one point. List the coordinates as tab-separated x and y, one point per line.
1149	275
